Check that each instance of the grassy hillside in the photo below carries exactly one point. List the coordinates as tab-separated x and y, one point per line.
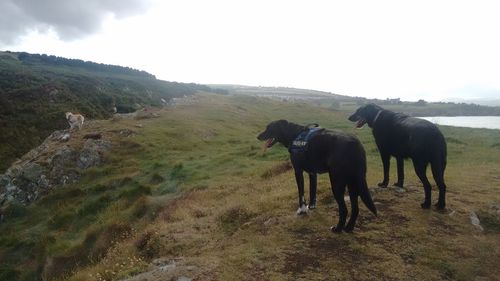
193	186
36	90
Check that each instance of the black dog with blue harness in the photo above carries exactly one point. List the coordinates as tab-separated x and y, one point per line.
315	151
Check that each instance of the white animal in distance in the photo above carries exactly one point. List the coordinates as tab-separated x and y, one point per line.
74	120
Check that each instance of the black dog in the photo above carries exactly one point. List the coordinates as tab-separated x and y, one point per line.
403	137
317	150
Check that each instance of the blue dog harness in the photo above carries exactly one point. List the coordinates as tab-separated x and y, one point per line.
300	143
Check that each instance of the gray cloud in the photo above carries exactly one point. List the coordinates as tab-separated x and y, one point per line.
70	19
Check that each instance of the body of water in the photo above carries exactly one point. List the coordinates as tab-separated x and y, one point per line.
489	122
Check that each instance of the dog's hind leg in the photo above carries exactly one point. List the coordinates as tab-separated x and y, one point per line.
401	171
338	189
313	182
353	195
438	174
420	168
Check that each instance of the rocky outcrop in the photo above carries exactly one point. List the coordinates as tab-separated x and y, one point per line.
55	163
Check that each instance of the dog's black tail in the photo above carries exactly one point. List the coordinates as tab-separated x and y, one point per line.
364	193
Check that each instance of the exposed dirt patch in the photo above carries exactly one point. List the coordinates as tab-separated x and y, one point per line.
277	170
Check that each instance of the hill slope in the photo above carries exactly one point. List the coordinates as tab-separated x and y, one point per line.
36	91
191	193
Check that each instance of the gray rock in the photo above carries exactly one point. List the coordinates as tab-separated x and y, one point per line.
184	278
400	190
452	213
91	154
495	207
168	267
269	221
32	172
60	165
474	220
4	180
161	261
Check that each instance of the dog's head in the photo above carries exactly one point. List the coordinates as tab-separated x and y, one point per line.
68	115
273	133
365	114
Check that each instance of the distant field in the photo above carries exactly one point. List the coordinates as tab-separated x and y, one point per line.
194	186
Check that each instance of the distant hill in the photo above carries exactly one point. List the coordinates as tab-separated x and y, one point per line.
36	90
343	102
283	92
479	101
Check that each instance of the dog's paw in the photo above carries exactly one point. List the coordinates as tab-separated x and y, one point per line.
302	210
382	184
440	206
349	228
425	205
398	184
336	229
311	206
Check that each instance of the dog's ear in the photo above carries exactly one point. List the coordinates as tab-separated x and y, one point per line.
312	125
373	107
278	124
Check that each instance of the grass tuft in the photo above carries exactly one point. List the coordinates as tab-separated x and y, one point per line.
490	220
232	219
156	179
148	245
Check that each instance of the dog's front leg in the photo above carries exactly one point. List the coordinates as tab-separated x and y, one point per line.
386	162
401	171
312	190
299	177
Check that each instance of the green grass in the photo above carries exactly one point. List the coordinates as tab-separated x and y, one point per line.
195	183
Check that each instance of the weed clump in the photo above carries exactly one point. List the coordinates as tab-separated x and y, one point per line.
148	245
232	219
135	191
178	172
8	273
156	179
13	210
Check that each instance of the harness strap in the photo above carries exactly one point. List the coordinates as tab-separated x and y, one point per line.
299	144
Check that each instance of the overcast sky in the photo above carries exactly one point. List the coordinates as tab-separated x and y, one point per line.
410	49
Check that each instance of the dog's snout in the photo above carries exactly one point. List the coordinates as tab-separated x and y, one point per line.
260	136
